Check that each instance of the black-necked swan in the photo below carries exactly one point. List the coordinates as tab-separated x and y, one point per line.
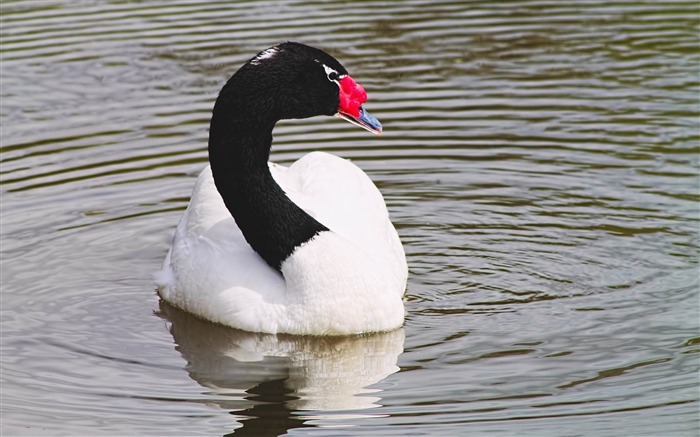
307	249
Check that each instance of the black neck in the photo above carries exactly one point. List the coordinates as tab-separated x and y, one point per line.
239	146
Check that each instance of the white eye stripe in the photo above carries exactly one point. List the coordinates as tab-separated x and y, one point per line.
330	71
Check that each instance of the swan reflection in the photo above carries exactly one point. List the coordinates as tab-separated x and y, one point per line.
243	369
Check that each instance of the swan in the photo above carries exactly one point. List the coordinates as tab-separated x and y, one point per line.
307	249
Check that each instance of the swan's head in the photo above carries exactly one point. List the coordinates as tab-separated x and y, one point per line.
294	80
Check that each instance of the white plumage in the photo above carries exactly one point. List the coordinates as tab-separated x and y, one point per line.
348	280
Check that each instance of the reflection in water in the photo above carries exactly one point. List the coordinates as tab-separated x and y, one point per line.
267	377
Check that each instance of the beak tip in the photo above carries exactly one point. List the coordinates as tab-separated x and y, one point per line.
364	120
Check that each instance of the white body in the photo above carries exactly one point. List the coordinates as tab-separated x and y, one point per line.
346	281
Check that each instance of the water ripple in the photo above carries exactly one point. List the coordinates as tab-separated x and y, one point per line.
539	159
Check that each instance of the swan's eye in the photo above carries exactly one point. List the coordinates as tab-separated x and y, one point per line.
331	74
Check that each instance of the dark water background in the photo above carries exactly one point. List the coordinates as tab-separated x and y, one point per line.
540	162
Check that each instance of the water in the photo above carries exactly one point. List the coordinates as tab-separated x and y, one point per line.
540	162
